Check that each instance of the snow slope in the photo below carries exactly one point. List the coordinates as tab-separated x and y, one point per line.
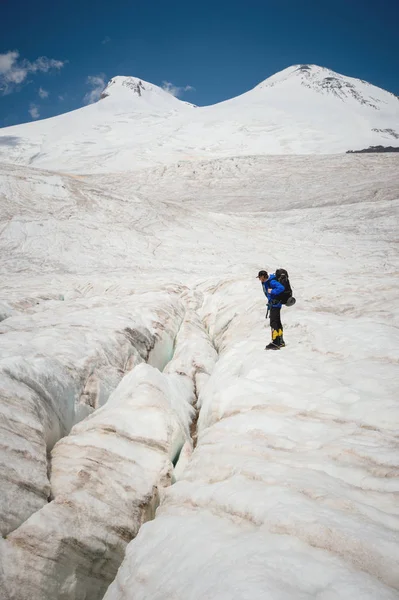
133	373
304	109
291	491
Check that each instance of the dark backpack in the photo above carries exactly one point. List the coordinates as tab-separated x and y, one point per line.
286	296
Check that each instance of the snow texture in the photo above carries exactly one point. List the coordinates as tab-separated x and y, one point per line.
150	447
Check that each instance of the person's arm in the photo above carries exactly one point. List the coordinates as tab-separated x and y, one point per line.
276	288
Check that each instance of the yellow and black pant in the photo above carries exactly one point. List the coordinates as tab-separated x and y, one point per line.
276	325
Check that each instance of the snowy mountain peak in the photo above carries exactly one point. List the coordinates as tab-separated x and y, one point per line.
325	81
298	72
138	94
131	83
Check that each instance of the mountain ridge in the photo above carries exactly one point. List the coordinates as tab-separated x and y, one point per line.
304	109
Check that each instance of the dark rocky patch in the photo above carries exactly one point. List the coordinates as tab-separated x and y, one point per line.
374	149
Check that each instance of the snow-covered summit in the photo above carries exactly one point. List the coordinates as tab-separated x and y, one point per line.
139	93
304	72
326	81
121	83
304	109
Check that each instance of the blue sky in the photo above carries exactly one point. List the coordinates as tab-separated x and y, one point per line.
220	48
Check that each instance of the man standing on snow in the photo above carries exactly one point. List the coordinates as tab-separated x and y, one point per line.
272	289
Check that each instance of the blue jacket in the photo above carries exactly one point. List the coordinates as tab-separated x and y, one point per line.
276	289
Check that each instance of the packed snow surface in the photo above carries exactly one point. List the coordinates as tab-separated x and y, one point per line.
304	109
144	427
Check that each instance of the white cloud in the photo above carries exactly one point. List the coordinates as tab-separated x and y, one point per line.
45	64
34	111
7	61
61	98
176	90
97	83
14	70
43	93
106	40
15	76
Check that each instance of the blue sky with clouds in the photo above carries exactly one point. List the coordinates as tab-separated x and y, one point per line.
56	56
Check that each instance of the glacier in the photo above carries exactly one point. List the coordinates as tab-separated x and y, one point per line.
150	447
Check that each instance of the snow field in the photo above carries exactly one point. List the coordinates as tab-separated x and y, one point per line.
107	474
285	466
291	491
57	366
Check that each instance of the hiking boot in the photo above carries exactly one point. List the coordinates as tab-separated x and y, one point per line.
280	341
272	346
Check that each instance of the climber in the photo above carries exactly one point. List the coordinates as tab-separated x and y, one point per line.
272	289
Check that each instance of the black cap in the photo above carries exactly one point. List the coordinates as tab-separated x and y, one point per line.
262	274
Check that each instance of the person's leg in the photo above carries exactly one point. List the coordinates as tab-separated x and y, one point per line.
274	326
280	330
